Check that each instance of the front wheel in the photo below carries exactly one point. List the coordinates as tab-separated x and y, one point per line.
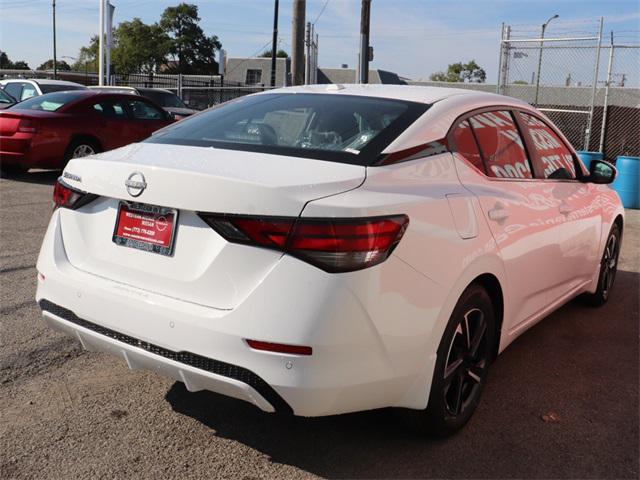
464	355
608	268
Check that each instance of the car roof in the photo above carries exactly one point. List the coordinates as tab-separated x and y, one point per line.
149	89
113	87
411	93
42	81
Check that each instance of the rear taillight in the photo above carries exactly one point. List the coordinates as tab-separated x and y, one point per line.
332	244
27	125
66	197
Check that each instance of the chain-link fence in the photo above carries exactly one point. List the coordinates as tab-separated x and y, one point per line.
587	83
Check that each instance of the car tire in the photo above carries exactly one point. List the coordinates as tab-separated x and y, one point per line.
608	269
461	366
81	147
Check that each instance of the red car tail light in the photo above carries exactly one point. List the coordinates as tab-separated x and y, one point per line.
66	197
27	125
332	244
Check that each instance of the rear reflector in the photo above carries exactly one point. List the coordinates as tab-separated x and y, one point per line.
66	197
332	244
279	347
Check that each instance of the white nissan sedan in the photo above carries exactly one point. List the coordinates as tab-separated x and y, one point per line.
328	249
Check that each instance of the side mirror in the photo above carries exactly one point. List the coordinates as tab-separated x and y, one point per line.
601	172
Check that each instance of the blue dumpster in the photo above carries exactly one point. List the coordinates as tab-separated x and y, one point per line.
587	157
627	183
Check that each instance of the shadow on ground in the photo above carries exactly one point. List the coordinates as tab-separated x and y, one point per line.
568	364
40	177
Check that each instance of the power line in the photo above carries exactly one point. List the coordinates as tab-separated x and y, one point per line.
321	12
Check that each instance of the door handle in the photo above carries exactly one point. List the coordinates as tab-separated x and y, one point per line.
498	214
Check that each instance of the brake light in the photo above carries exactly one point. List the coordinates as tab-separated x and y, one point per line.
66	197
332	244
27	125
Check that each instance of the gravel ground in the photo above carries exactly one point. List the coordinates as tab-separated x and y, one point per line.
66	413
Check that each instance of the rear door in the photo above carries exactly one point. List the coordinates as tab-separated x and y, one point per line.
493	163
578	203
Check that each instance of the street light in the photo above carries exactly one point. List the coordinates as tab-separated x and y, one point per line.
544	27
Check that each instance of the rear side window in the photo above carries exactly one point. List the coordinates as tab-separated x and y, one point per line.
550	155
501	145
110	109
466	145
28	91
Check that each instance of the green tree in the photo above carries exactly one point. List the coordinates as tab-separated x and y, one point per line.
5	62
279	54
139	48
48	65
461	72
88	57
192	51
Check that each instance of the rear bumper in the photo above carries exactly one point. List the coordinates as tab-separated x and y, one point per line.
195	371
372	346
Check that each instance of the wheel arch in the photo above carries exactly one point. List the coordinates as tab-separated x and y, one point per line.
85	136
491	284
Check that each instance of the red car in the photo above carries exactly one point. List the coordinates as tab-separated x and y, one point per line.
48	130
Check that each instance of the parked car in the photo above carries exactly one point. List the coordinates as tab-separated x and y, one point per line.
22	89
48	130
168	100
320	250
6	100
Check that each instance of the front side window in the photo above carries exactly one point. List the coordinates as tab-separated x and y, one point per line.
342	128
501	145
143	111
550	155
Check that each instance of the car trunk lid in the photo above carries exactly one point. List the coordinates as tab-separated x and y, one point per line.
202	268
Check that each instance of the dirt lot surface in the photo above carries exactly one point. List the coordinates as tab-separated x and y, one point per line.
66	413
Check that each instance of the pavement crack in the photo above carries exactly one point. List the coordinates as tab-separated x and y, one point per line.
17	269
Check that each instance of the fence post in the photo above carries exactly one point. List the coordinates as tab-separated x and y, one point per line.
180	85
605	107
587	135
500	59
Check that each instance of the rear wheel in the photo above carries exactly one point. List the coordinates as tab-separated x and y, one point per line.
608	268
81	148
464	356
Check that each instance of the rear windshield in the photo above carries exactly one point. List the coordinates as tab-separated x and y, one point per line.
342	128
60	88
164	99
49	102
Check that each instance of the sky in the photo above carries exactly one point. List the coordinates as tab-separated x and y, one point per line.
413	38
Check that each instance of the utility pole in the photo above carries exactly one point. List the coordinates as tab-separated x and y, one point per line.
365	20
55	58
544	27
274	44
101	45
297	42
307	58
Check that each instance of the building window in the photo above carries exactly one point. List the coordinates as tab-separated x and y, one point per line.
254	76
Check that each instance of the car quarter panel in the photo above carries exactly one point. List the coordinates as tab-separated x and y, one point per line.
432	246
